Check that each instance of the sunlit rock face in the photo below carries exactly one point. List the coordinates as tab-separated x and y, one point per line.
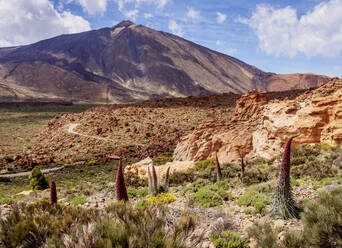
258	128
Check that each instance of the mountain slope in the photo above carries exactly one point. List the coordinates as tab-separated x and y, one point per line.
127	63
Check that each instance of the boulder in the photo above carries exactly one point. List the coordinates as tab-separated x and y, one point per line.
141	167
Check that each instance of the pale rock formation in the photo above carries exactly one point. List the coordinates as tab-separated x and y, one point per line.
141	167
258	128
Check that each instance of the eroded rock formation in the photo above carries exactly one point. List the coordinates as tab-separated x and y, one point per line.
259	128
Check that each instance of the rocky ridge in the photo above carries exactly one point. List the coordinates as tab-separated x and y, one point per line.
259	127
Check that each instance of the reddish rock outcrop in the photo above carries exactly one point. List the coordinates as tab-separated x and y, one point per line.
248	106
260	129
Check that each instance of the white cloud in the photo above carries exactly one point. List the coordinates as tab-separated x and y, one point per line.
93	6
220	17
175	28
148	15
280	31
219	43
193	14
132	14
231	51
27	21
158	3
337	68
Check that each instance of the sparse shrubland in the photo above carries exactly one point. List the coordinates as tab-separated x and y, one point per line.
315	161
322	223
228	239
120	225
236	191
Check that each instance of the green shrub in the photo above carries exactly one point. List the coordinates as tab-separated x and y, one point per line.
7	201
38	180
228	239
260	208
204	164
161	160
322	219
223	184
264	235
206	198
294	182
248	210
256	196
77	200
143	204
196	186
206	194
140	192
326	181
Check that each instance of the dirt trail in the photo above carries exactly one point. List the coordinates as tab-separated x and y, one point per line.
72	126
27	173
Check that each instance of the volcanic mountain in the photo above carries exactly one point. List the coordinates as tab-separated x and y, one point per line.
127	63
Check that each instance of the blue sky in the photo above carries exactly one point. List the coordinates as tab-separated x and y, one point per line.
278	36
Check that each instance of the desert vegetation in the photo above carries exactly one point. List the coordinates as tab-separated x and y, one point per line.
89	211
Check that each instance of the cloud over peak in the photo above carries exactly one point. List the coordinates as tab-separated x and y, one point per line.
220	17
193	14
94	6
175	28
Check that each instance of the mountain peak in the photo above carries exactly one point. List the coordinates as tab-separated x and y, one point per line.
129	63
124	23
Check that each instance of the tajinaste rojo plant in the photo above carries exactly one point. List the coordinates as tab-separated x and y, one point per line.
243	166
154	187
53	192
218	169
120	186
283	204
167	178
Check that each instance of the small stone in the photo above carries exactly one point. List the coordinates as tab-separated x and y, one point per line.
279	223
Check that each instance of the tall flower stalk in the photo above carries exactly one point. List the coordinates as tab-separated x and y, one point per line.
243	166
120	186
218	169
53	192
284	206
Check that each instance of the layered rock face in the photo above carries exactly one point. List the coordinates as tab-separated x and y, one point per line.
258	128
